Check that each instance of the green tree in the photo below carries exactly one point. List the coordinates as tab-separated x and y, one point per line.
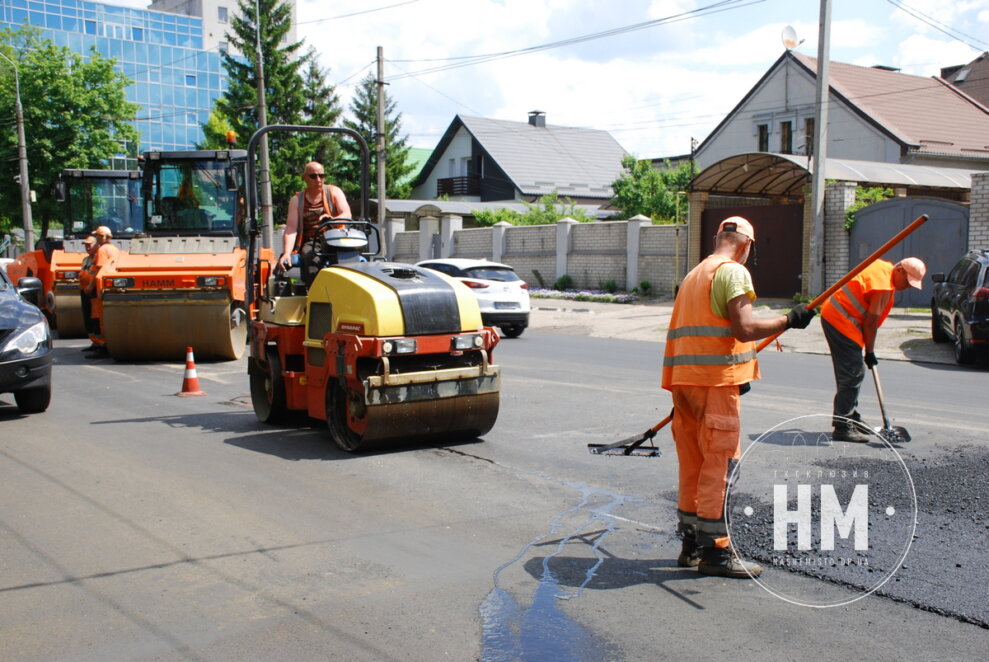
215	131
547	210
284	92
322	108
642	189
76	115
364	109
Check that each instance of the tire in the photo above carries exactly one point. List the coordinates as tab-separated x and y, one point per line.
512	330
33	400
937	331
964	354
339	403
268	388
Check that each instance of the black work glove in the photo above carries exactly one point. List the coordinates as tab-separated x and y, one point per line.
744	388
870	360
799	317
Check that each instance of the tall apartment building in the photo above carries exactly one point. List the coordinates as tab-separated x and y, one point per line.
171	51
216	15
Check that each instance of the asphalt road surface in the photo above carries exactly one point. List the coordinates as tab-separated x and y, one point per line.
136	525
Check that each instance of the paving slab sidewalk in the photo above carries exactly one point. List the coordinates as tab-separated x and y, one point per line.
905	336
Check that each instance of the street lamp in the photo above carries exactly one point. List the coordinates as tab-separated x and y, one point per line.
22	158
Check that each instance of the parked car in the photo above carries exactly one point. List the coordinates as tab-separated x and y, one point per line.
502	296
960	306
25	345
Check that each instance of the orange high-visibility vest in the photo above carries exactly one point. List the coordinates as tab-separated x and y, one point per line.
700	348
845	310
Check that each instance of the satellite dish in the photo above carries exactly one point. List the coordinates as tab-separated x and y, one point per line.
789	37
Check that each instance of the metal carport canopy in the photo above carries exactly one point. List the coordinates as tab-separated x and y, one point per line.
767	174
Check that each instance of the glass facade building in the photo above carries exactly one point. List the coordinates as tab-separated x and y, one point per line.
175	80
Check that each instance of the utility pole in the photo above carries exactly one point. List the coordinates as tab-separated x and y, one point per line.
382	189
267	218
22	159
818	181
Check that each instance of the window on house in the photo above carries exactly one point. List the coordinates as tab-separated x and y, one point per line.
763	137
786	137
190	80
90	27
452	169
464	166
221	14
809	136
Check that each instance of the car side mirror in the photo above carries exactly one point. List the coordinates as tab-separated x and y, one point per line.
30	289
938	277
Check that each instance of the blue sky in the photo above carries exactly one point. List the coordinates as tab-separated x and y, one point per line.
653	88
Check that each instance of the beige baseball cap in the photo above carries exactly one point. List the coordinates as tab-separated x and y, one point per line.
914	268
740	225
104	230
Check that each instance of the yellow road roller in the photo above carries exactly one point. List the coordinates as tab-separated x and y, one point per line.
182	283
386	353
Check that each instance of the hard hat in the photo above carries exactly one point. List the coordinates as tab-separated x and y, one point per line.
739	225
914	269
104	230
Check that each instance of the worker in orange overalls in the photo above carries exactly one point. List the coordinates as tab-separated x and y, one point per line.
86	289
710	358
105	257
850	319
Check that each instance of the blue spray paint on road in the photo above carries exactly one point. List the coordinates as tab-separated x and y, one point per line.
542	631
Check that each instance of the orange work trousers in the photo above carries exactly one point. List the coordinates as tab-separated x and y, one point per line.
706	431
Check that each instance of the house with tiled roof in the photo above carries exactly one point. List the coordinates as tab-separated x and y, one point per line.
875	114
486	160
971	78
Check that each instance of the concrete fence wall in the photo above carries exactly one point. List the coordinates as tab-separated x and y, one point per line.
592	254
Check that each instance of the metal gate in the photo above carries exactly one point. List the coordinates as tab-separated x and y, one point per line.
939	242
776	262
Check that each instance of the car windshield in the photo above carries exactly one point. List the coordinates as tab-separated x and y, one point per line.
491	273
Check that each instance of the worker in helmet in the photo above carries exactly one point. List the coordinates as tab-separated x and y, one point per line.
851	318
710	358
105	258
317	202
86	289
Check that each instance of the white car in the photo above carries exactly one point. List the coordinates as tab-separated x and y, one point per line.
502	296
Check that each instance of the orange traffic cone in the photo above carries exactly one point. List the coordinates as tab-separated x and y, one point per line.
190	382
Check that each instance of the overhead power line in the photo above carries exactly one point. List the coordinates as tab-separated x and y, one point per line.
470	60
939	26
356	13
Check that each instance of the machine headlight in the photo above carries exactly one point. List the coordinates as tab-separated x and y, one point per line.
29	340
399	346
68	275
119	282
210	281
467	342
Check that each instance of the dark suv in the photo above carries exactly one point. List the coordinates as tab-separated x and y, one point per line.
960	306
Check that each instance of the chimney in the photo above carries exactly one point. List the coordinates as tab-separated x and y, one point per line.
537	118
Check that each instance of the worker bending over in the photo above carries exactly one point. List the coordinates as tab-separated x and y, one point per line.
710	355
851	318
